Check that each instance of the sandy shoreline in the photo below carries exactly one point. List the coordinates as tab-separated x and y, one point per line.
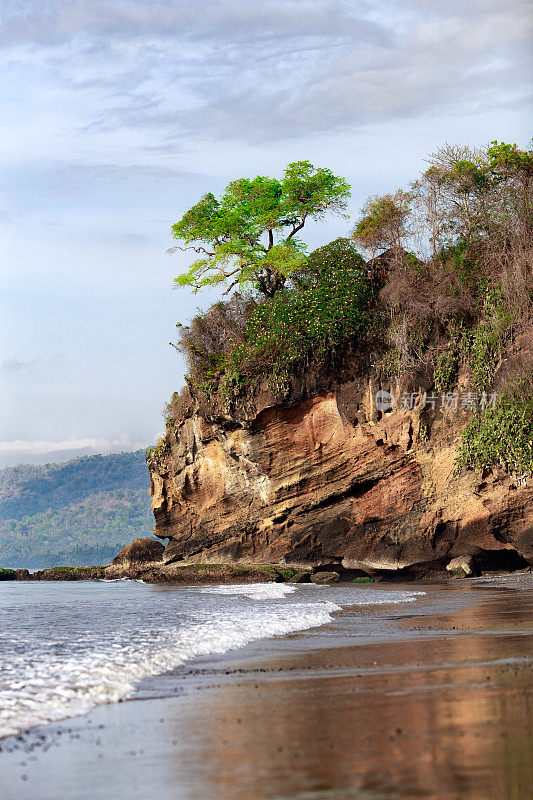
429	700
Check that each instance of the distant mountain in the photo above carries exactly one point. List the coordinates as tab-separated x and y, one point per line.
81	512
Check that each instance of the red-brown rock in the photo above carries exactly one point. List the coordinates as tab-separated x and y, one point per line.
328	479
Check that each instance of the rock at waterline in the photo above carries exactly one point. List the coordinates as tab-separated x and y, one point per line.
141	551
462	566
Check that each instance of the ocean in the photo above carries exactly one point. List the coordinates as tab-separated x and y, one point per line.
66	648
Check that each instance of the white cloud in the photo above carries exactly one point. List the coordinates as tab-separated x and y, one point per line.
58	21
121	443
228	70
13	365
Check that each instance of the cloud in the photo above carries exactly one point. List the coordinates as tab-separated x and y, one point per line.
65	176
227	70
45	452
16	365
59	21
21	446
46	188
461	60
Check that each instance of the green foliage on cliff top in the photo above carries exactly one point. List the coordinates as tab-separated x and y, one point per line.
481	347
453	305
484	344
331	300
385	222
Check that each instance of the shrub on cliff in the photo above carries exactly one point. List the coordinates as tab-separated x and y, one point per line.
502	435
328	301
211	337
385	224
332	300
473	289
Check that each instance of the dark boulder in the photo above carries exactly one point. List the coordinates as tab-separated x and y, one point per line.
141	551
325	577
301	577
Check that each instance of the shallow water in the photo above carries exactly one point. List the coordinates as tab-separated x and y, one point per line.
400	695
68	647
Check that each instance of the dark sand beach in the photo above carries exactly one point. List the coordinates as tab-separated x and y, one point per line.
432	700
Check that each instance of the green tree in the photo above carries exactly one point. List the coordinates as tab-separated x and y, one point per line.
506	160
511	171
385	222
453	194
249	235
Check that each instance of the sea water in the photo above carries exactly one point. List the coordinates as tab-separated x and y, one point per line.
68	647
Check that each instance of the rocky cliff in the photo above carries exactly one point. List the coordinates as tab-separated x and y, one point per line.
323	477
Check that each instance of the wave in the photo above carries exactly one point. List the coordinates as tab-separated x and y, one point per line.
255	591
45	681
51	690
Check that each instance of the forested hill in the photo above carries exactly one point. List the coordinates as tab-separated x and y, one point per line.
79	512
28	488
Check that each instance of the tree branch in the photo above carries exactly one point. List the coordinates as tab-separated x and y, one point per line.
228	274
230	287
196	250
297	228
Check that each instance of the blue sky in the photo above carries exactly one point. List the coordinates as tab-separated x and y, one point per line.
118	115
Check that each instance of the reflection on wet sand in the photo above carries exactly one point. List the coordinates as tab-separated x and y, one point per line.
443	716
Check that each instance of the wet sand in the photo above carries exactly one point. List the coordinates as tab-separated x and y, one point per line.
428	700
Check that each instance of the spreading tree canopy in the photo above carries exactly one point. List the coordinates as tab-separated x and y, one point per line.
249	235
385	222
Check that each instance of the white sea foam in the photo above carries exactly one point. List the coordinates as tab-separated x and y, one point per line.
255	591
384	598
80	659
49	689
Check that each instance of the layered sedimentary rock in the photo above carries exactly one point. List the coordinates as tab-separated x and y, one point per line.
323	477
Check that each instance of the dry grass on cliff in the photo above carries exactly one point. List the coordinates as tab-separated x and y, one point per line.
516	280
212	336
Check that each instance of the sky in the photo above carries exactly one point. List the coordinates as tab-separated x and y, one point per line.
117	115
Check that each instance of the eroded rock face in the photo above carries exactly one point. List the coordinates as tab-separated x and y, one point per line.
330	480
